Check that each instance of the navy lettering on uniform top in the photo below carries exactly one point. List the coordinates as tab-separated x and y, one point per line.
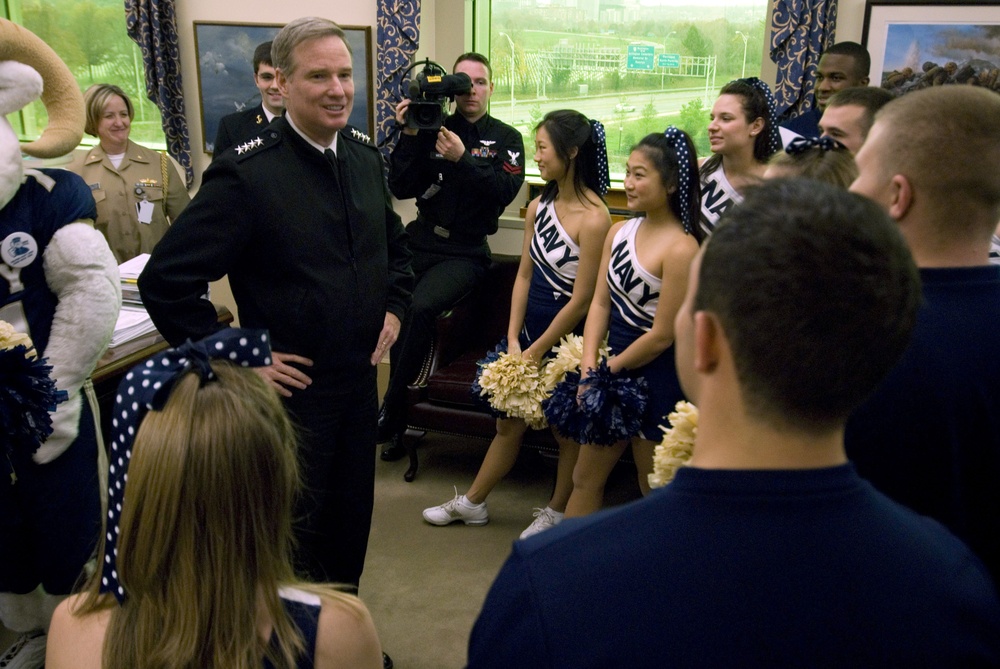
625	271
622	268
566	257
547	231
712	194
647	295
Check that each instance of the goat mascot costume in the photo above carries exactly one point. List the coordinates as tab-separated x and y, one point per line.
59	284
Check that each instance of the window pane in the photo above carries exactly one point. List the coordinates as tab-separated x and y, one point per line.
635	66
90	37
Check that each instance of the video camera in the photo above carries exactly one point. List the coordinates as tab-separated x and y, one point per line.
429	94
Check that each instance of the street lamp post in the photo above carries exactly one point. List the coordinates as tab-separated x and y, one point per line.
746	38
662	73
511	43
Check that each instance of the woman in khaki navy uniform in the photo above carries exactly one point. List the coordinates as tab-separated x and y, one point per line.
138	191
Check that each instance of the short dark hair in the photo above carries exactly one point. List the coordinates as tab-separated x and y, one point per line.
862	59
569	129
262	54
477	58
870	98
817	294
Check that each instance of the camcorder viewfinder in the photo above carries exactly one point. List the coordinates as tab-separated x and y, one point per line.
430	92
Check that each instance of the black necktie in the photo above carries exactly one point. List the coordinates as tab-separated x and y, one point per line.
331	157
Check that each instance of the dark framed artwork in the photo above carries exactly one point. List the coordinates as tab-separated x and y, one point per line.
225	72
919	44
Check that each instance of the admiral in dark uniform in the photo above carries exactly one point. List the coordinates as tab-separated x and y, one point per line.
314	253
460	196
240	126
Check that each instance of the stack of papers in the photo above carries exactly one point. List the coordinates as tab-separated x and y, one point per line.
133	322
129	272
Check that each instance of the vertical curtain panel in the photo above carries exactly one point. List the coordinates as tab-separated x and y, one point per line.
152	24
800	31
398	38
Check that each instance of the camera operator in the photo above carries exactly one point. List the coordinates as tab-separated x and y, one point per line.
463	176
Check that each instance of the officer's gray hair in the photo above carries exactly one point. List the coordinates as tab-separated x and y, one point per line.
299	31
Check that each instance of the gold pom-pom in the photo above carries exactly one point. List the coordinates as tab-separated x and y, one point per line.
513	385
9	338
567	355
677	446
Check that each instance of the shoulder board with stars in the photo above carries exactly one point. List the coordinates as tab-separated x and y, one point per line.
350	132
256	144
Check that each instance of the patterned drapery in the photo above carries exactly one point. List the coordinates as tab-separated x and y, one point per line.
152	25
398	38
800	31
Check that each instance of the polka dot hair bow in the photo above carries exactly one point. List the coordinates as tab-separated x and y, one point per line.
687	174
146	388
600	143
803	144
774	138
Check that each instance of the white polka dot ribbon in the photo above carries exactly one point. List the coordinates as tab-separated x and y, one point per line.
600	143
146	388
774	136
687	174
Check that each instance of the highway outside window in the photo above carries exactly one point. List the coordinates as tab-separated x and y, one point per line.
635	65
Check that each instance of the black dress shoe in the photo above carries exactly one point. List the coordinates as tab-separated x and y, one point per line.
386	661
394	450
384	431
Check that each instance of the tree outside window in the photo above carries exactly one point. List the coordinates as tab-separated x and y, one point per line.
90	37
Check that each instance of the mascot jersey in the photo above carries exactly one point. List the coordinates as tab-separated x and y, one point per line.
46	201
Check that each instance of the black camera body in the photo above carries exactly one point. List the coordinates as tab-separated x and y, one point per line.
430	92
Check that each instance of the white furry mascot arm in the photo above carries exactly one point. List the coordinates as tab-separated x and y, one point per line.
80	269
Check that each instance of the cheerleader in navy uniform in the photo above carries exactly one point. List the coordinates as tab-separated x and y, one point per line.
645	264
743	134
564	232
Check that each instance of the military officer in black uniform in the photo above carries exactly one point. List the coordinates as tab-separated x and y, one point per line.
240	126
315	254
463	177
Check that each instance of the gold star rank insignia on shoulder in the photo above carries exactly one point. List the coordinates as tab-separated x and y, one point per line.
357	134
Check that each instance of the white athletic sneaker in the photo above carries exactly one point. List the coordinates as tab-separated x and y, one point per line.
458	508
28	652
544	519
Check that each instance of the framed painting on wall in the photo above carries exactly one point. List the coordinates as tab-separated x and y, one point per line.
919	44
225	72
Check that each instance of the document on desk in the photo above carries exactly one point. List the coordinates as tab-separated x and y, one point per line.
133	322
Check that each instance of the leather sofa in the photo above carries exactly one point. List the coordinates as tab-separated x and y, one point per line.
439	400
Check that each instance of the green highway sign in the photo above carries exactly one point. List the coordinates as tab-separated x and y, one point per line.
668	60
640	57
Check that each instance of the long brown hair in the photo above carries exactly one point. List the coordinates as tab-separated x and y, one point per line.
205	534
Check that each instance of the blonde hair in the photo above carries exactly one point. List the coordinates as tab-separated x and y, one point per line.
298	31
834	166
205	532
96	99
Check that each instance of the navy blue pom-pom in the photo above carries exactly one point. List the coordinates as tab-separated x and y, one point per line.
482	401
608	411
562	411
614	403
28	395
